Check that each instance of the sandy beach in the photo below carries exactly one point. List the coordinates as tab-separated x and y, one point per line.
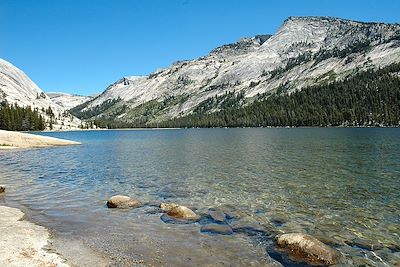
12	140
24	243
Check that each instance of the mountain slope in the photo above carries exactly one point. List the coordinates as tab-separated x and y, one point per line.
369	98
17	88
68	101
304	51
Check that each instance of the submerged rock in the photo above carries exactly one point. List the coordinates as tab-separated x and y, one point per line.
2	189
217	216
251	230
166	207
120	201
182	212
302	247
363	244
171	220
214	228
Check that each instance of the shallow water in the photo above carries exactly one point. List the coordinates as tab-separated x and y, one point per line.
340	185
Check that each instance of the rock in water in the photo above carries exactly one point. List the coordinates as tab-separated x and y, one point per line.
217	216
182	212
2	189
307	248
214	228
166	207
123	202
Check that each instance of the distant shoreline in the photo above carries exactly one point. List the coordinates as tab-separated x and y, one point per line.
182	128
17	140
222	127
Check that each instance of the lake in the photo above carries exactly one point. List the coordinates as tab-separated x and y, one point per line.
341	185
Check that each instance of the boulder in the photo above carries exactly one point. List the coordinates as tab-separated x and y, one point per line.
2	189
123	202
182	212
214	228
166	207
302	247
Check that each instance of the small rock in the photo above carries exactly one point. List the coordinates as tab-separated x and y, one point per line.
214	228
307	248
182	212
217	216
2	189
166	207
123	202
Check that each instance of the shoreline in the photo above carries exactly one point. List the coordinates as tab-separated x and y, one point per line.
17	140
27	243
183	128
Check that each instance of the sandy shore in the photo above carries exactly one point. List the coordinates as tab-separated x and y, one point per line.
11	140
23	243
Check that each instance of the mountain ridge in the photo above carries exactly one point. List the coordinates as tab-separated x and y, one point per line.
17	88
304	51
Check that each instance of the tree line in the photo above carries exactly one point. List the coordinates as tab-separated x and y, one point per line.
16	118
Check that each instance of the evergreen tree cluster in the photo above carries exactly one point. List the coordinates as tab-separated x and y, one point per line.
369	98
89	113
15	118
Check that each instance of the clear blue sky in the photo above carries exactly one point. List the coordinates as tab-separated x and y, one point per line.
82	46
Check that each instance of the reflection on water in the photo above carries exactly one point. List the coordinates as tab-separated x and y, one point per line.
340	185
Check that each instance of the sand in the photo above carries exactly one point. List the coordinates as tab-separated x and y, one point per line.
12	140
23	243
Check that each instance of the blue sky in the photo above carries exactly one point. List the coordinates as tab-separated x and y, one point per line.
82	46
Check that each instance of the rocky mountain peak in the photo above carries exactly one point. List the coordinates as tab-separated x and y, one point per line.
304	51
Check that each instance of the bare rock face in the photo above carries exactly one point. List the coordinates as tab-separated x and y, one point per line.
166	207
306	248
120	201
2	189
301	53
182	212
